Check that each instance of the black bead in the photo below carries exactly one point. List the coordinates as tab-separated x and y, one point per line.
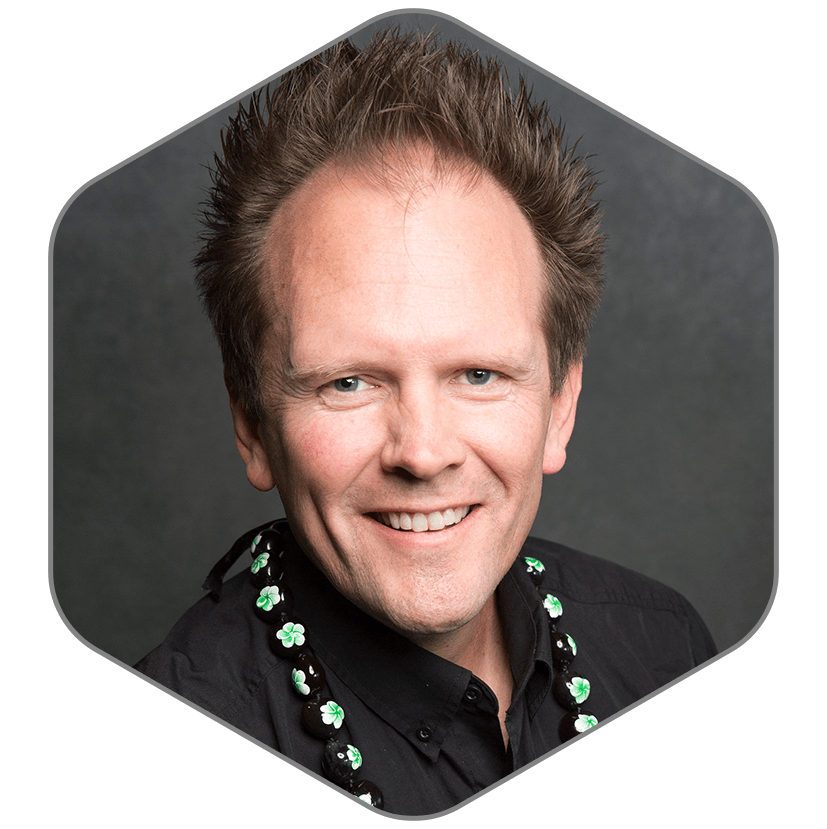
570	689
563	650
369	792
267	541
554	609
340	762
266	570
310	674
288	637
272	602
536	570
576	722
322	717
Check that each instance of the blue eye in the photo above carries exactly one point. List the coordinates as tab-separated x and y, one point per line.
347	384
479	376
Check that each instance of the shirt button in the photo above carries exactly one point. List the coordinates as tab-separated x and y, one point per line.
424	734
472	693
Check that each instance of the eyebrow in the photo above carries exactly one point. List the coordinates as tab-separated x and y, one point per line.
302	378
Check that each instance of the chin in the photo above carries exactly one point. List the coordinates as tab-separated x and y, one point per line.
426	614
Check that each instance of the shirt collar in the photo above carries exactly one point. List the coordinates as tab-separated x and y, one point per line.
416	692
527	636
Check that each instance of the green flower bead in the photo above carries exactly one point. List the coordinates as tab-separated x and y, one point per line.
553	606
268	598
291	634
355	756
299	682
260	562
579	688
584	722
332	713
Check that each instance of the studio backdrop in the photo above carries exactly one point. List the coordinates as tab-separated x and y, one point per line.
670	469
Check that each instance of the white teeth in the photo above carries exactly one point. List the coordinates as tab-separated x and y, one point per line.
436	521
418	522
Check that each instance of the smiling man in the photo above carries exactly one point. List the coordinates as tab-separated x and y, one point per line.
401	264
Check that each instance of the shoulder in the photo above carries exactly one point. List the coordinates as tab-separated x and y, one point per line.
587	578
215	655
624	603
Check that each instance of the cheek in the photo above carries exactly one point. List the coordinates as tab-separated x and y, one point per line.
512	441
326	453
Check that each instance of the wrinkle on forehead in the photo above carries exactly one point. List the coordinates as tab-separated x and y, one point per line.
410	176
407	173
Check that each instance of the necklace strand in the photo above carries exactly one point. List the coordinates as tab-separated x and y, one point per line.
323	717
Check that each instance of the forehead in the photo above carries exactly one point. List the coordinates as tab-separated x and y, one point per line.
432	262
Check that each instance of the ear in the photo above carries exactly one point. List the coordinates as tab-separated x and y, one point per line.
561	424
251	448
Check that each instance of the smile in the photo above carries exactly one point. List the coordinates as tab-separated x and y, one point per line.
420	522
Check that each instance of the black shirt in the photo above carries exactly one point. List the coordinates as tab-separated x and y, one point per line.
426	728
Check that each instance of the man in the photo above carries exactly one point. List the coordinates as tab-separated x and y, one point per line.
401	264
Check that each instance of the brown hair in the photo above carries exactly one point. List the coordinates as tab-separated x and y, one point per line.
350	104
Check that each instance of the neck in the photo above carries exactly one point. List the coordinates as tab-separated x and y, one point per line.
479	647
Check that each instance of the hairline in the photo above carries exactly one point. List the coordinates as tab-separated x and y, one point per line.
397	168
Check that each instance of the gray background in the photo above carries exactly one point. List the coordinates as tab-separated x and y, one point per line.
670	469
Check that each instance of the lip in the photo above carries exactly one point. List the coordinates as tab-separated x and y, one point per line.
411	509
406	539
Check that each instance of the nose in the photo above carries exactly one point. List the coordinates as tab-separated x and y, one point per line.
423	436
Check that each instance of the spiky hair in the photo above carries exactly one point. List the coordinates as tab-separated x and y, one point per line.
353	105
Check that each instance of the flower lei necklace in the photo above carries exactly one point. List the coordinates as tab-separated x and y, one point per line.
323	716
569	689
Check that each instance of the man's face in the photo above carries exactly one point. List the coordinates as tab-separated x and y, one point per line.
409	413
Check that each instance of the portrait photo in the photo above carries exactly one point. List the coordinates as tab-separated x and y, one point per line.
414	414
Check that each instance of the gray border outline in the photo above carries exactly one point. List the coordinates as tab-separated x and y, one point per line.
235	100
